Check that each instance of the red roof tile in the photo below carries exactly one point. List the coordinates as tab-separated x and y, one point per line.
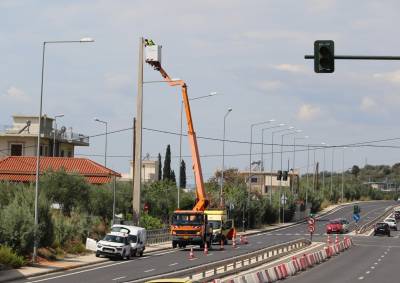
23	168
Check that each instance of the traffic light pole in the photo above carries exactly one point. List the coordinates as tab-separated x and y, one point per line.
358	57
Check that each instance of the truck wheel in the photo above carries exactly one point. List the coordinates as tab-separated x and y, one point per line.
141	253
97	254
174	244
133	253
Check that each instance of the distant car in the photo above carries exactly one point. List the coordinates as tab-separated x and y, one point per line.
382	228
334	226
345	225
392	223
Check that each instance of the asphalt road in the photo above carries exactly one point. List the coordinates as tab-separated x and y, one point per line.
371	259
171	260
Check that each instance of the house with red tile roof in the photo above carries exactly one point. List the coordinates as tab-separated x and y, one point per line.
23	168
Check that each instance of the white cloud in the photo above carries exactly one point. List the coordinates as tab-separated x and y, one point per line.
393	77
317	6
14	93
269	85
291	68
368	104
308	112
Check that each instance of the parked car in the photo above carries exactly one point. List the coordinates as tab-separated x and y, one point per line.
334	226
137	237
392	223
115	245
382	228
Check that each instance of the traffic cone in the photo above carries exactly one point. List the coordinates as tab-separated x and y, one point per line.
337	239
222	245
241	240
234	242
328	240
205	248
245	240
191	254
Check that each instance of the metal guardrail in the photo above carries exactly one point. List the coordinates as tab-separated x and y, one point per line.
213	270
158	236
364	228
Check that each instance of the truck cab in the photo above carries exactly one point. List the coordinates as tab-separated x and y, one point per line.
222	227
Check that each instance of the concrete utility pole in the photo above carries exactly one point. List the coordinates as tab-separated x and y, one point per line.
137	181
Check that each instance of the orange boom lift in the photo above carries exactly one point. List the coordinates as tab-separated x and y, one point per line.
189	227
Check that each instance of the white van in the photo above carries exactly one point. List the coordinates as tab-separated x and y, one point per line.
137	237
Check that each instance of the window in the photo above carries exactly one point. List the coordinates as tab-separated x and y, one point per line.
16	149
265	189
69	153
254	179
44	150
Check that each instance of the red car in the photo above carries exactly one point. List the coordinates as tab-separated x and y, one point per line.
334	226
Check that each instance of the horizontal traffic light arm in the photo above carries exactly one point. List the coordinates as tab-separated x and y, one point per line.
358	57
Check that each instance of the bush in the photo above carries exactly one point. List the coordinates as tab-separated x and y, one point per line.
47	253
75	247
68	229
9	258
149	222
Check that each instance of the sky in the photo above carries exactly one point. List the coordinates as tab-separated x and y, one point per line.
250	52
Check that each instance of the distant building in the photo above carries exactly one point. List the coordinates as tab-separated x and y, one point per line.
149	171
20	139
261	181
384	186
23	168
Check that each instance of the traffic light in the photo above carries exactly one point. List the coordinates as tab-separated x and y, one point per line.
284	175
324	56
279	175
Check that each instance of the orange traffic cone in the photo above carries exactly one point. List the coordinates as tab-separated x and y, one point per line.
191	254
205	249
337	240
234	242
328	240
222	245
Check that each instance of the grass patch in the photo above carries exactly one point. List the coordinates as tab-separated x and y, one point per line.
9	258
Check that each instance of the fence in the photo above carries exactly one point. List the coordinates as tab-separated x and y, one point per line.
158	236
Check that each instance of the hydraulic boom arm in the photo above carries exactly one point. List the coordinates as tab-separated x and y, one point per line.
202	201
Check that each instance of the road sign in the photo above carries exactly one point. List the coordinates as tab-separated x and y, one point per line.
283	199
311	228
356	217
311	221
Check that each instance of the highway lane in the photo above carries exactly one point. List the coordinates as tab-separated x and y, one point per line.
372	259
168	261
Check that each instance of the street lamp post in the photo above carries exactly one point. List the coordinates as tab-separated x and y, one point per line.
180	140
280	181
272	157
55	130
82	40
294	155
221	193
331	187
323	172
105	144
249	180
262	156
343	148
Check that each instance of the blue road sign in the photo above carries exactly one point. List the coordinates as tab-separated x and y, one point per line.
356	217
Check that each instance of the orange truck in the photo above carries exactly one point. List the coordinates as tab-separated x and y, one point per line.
188	227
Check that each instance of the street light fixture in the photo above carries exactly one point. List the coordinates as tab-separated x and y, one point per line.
213	93
55	130
105	145
37	177
262	142
221	194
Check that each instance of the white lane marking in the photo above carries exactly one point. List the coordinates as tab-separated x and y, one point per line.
164	253
375	263
379	259
209	254
382	256
385	253
172	264
372	267
150	270
143	257
115	279
361	278
82	271
367	272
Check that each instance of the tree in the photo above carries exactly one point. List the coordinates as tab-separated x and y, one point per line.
173	178
159	167
355	170
167	164
182	175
